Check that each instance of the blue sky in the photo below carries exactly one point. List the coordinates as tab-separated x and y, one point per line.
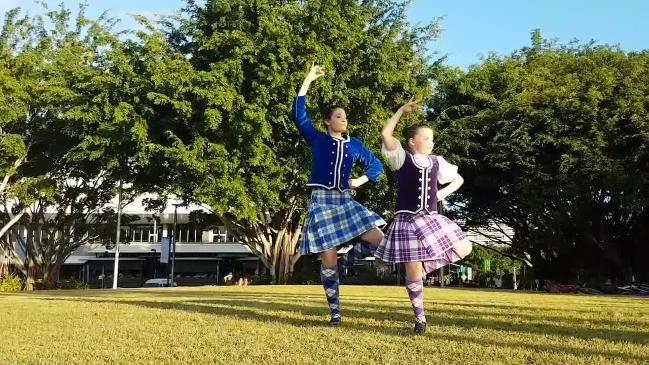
471	28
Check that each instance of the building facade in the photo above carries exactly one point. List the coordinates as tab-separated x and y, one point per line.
203	257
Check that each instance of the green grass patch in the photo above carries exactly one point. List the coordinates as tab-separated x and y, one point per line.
287	324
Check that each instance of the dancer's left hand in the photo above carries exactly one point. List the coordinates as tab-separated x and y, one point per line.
352	186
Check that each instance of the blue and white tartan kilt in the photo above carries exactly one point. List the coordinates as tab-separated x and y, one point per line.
333	219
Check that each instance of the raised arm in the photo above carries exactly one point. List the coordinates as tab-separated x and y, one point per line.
315	72
387	132
299	115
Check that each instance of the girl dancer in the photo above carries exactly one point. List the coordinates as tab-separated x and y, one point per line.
419	234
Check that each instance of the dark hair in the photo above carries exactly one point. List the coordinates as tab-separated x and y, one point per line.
413	129
329	110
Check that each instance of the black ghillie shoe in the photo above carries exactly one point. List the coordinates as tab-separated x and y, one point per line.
334	322
420	327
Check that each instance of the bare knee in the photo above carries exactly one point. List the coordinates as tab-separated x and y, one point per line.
463	249
414	270
329	258
373	237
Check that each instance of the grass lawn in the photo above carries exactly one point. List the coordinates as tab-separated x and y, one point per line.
287	324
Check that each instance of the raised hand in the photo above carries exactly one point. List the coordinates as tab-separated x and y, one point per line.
315	72
411	106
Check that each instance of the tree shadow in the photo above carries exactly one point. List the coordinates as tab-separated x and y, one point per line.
253	311
463	318
460	314
460	309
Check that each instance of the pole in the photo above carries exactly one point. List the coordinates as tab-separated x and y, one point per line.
173	242
119	222
218	271
514	278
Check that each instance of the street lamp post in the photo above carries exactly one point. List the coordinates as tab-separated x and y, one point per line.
173	243
117	234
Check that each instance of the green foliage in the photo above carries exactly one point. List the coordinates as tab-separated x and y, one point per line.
241	153
492	262
11	283
247	157
77	106
552	142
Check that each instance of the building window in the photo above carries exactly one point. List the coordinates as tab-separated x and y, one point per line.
188	233
221	235
143	233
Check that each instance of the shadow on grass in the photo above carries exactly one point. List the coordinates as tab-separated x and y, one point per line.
253	310
460	309
453	313
462	318
639	303
522	312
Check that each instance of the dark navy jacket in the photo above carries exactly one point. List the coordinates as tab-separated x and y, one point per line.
333	158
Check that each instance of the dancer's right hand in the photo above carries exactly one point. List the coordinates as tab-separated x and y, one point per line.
411	106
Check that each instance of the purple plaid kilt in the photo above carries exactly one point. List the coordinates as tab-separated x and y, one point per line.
421	237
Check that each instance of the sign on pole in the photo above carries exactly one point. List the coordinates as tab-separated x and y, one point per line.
165	248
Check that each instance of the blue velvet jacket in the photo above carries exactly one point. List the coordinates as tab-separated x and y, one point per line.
333	158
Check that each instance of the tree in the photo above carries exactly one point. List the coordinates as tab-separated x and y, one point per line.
18	81
242	155
552	141
96	113
492	263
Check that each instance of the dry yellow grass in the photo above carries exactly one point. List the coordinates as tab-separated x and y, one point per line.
287	324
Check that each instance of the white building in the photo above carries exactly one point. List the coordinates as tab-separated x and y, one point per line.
203	257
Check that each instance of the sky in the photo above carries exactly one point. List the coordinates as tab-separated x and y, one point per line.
470	28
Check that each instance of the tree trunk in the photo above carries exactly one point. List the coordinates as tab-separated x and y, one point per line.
285	256
277	250
4	267
34	276
52	275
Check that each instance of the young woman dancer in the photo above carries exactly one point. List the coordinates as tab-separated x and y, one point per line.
334	217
